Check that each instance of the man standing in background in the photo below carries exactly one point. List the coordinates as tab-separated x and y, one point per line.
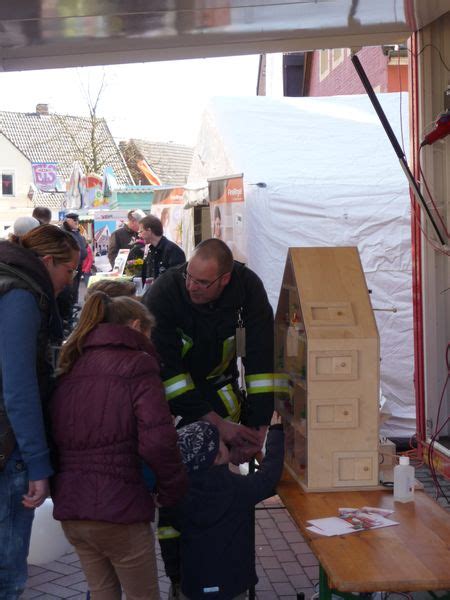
42	214
126	236
70	224
162	253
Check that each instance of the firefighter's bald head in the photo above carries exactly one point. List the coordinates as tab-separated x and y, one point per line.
208	271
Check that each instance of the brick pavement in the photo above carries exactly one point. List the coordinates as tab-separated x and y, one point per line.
284	563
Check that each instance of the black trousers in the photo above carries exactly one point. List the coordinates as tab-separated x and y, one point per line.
169	541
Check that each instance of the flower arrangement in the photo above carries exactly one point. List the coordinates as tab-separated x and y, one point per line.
133	267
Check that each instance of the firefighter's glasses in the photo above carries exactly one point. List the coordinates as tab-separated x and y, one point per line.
201	284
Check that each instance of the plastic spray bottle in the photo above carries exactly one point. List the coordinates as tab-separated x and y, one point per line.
404	481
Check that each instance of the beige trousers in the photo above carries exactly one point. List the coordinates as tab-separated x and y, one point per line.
240	597
116	557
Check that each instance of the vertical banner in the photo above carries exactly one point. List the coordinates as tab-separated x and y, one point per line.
45	176
148	172
109	185
226	202
86	226
74	189
168	205
93	191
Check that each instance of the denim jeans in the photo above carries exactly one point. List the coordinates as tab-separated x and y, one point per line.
15	529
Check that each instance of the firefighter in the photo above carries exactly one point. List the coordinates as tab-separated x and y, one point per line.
211	312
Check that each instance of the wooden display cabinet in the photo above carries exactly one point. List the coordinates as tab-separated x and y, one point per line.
327	358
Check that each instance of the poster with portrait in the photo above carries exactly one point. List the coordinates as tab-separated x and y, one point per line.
168	205
226	202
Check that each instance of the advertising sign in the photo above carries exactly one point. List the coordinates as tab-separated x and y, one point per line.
168	205
45	176
121	261
226	202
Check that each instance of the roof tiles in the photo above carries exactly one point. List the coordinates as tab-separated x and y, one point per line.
63	139
171	162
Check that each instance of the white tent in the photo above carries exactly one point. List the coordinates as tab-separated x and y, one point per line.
321	172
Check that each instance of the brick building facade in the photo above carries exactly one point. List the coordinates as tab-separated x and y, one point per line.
331	72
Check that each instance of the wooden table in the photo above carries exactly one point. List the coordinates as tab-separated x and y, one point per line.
411	556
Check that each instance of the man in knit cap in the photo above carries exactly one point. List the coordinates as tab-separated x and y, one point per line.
21	226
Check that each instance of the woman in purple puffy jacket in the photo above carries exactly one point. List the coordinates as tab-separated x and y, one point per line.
109	414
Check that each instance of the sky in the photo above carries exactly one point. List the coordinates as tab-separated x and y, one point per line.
161	101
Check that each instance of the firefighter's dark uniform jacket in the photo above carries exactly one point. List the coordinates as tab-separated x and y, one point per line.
197	346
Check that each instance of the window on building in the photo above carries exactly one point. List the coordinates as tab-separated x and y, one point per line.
324	63
293	70
337	57
7	183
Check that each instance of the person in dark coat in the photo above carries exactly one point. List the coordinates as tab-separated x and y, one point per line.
215	518
201	308
108	415
209	312
70	224
162	253
125	236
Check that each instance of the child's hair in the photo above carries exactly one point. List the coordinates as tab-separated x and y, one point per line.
112	288
100	308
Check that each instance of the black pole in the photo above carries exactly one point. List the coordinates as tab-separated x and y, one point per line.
396	146
252	590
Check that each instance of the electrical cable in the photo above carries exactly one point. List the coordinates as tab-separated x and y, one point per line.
441	129
437	249
417	54
413	453
432	136
431	465
420	201
430	195
396	146
435	435
413	206
431	133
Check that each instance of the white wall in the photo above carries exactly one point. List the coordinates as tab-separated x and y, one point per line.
11	159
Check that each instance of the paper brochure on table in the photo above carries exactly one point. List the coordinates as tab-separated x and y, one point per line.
351	520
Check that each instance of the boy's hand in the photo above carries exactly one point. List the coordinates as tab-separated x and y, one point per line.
276	418
243	453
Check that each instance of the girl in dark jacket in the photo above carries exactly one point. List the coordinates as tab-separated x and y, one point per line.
108	414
